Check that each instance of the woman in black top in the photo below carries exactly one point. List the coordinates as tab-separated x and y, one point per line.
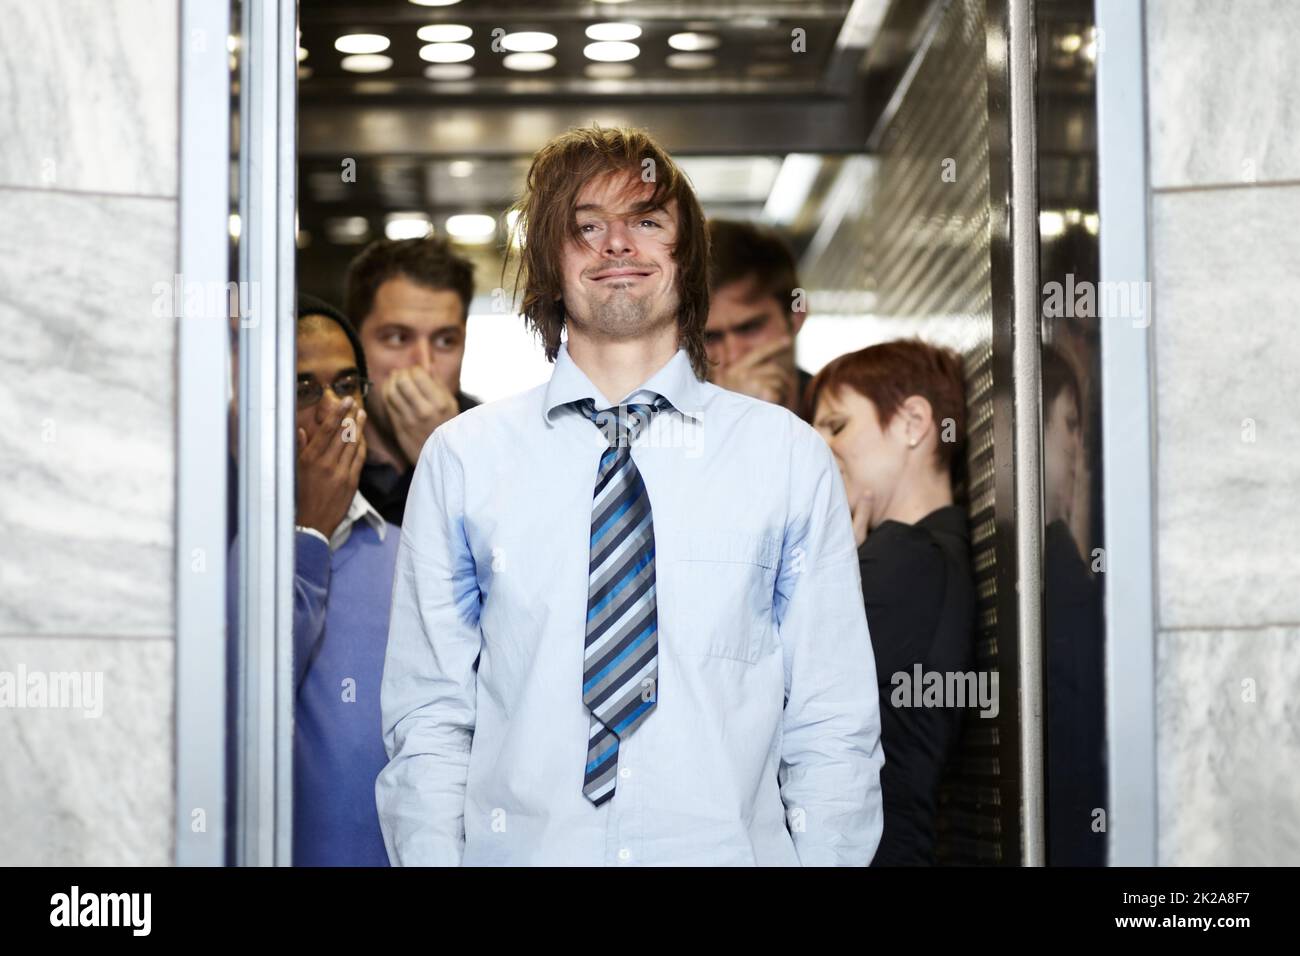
894	417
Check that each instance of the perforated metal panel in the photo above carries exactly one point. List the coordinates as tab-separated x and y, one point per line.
930	258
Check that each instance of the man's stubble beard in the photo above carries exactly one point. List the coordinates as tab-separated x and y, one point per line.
622	316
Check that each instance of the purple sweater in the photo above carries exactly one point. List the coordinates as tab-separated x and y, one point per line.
340	630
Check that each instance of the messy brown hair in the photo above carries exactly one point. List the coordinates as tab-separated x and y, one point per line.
546	214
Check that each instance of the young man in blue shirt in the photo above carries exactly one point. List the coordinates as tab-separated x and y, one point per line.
627	631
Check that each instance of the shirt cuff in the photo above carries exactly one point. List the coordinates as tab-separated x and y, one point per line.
313	560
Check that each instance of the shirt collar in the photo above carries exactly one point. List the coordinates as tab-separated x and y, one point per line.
360	509
676	382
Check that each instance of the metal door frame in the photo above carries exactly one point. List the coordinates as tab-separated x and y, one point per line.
1127	403
267	206
1013	200
202	337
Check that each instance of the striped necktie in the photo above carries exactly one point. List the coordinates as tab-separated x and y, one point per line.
620	671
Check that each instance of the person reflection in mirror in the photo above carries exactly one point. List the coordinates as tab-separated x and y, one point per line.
894	416
1072	624
756	309
344	557
410	299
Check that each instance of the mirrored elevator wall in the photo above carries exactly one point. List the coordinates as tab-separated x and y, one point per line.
932	263
1074	566
916	241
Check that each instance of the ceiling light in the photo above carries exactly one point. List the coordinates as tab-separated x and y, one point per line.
434	3
347	230
1050	224
792	187
361	43
613	31
302	53
862	24
449	71
446	52
691	61
609	71
444	33
406	225
611	51
528	42
366	63
460	168
471	227
692	42
528	62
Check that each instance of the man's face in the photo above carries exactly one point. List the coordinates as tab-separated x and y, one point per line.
325	356
742	317
620	280
411	324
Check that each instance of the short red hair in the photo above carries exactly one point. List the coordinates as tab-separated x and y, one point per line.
889	373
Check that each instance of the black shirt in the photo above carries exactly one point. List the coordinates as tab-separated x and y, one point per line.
920	601
386	488
1076	703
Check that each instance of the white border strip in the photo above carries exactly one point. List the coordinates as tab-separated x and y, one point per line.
1127	437
201	450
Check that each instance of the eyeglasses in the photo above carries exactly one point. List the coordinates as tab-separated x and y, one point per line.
349	386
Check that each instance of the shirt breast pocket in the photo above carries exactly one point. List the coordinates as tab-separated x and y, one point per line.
721	602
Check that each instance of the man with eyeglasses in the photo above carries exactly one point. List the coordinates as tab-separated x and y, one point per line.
344	557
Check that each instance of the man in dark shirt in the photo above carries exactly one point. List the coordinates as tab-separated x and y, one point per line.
756	309
410	301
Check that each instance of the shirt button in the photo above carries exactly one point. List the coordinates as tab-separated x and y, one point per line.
625	854
625	772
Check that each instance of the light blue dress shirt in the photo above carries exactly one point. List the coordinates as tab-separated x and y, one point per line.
764	746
